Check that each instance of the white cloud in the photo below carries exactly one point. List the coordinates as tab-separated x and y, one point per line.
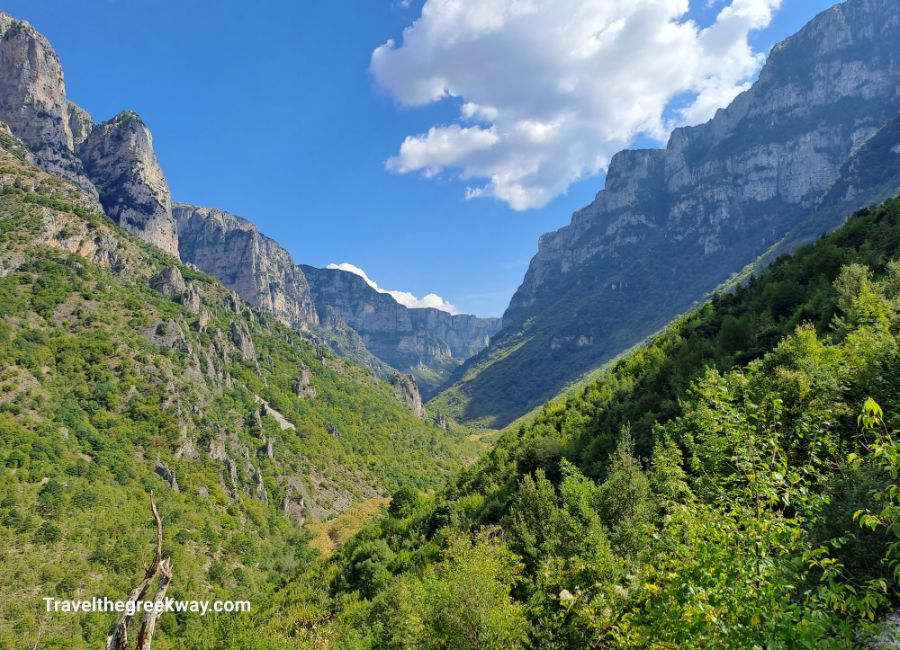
549	90
403	297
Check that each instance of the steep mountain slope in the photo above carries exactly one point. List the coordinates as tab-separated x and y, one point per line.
428	343
707	491
124	371
673	224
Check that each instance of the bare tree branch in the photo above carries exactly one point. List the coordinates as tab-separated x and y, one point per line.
118	638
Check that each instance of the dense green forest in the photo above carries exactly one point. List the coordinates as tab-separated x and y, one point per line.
732	484
114	384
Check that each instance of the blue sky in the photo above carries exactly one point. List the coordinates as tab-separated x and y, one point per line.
270	110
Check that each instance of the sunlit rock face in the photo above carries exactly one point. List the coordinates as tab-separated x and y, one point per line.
260	270
33	101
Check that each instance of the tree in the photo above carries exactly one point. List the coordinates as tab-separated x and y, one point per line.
468	601
624	499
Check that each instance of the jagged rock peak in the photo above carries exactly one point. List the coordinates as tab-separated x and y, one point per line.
32	83
118	157
259	269
80	123
33	101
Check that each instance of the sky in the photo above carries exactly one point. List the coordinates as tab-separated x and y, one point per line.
426	144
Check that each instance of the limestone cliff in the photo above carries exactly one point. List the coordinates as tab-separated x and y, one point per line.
233	250
33	101
112	163
118	156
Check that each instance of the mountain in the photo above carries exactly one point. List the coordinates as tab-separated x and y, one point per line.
33	102
125	371
354	318
427	343
115	165
813	138
113	162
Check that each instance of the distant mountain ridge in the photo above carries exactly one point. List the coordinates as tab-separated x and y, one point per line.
428	343
115	165
780	163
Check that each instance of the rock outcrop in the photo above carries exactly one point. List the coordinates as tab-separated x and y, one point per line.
165	473
169	282
242	340
260	270
427	343
33	101
303	387
80	123
293	505
406	390
119	159
672	224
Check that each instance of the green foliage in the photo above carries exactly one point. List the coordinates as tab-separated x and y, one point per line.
623	500
467	603
104	381
706	491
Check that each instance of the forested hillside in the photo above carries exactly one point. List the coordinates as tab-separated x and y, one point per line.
123	372
731	484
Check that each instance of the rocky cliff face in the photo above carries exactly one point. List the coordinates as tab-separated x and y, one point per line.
672	224
80	124
118	157
427	343
407	391
33	101
233	250
113	163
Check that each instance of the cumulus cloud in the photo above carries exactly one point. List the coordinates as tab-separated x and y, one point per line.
549	90
403	297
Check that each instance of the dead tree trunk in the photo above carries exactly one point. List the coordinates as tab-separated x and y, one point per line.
159	568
